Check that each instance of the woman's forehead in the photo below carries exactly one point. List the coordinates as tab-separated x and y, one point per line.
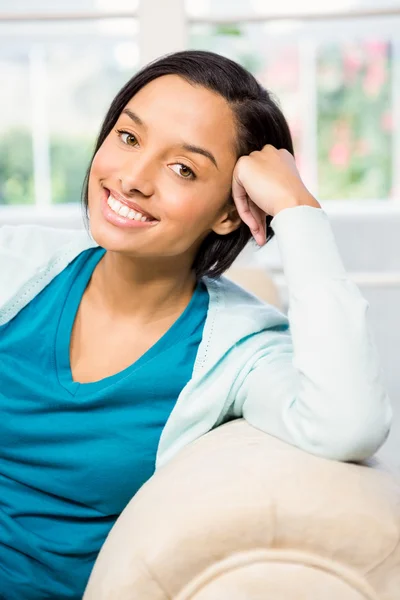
172	103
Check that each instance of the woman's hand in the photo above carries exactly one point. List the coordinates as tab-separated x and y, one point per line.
264	183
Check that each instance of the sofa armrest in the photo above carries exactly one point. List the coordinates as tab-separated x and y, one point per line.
241	506
257	281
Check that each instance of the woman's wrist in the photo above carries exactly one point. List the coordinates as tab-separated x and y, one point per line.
307	247
303	200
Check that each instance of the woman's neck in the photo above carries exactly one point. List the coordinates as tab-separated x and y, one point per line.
144	290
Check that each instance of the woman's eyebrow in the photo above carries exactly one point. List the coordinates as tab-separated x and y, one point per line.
135	118
188	147
198	150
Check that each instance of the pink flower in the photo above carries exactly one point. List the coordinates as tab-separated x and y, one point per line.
387	121
339	155
352	62
374	79
376	48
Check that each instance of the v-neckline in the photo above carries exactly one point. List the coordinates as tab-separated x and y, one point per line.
66	322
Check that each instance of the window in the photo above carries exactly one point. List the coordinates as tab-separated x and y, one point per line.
43	9
58	78
276	64
355	119
16	152
336	78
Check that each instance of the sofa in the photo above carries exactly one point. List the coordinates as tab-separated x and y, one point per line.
241	515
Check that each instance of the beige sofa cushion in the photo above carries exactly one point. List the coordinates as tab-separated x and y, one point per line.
256	281
236	491
277	575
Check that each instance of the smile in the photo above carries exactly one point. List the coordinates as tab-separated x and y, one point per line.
124	211
121	215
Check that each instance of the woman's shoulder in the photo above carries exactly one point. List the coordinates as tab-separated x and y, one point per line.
30	256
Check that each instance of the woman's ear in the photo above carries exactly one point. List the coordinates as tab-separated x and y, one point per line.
229	220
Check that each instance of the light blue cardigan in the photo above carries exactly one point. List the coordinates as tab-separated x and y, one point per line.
316	385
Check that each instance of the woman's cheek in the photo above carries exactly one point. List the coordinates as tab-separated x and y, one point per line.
203	205
187	209
103	162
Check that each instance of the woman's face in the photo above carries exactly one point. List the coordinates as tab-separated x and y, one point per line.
171	154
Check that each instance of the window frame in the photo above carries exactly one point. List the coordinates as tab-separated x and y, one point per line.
152	16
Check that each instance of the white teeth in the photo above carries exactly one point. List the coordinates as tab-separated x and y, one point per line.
124	211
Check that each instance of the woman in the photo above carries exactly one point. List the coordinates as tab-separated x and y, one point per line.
118	351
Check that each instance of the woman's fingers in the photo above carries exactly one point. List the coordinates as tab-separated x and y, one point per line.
249	212
260	235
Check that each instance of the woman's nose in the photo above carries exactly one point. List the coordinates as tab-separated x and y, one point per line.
137	178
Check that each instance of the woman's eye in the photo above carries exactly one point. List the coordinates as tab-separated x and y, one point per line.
127	138
183	171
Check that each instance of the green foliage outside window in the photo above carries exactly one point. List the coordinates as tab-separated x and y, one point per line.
69	161
16	167
353	117
354	121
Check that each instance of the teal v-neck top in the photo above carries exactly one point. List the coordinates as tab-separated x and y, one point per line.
72	455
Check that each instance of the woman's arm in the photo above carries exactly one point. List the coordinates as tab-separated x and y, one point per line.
319	386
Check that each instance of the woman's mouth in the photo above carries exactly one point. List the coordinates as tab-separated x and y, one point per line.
122	215
125	211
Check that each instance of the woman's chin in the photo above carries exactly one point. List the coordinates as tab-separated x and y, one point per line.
112	239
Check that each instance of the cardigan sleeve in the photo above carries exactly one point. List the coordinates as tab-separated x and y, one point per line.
319	384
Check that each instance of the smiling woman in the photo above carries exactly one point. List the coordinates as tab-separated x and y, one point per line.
145	346
215	95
